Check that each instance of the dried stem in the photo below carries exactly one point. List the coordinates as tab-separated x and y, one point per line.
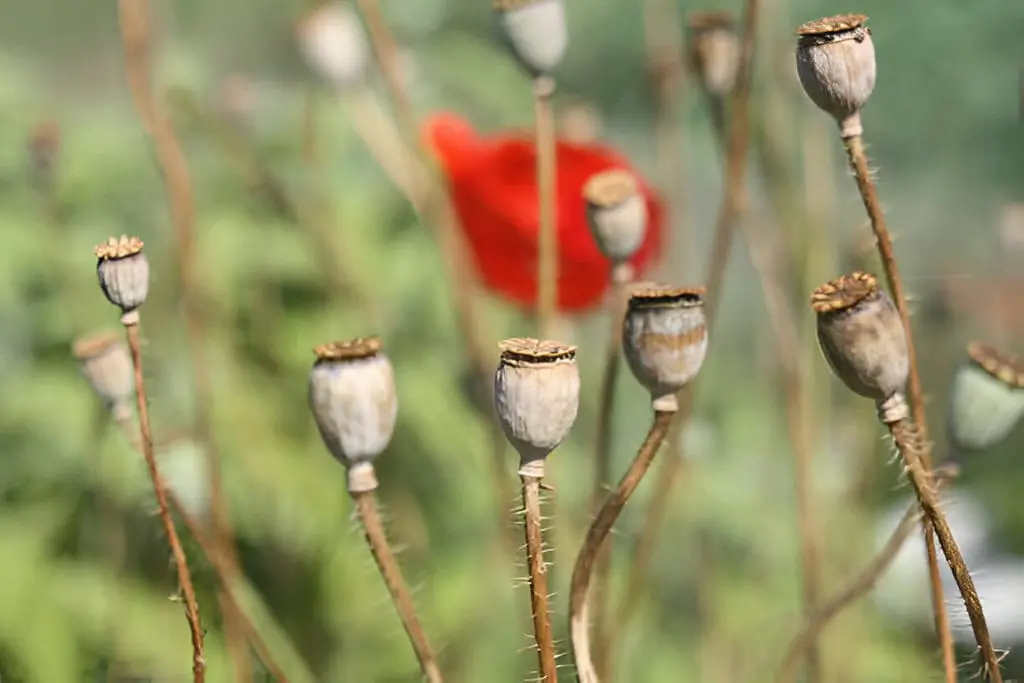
854	146
385	559
538	581
579	603
547	265
180	561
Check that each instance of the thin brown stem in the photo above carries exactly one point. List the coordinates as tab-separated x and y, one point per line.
388	565
180	561
910	443
547	264
854	146
579	603
538	581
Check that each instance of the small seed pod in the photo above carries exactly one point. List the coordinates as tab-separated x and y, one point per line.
861	336
536	397
107	365
355	405
714	51
835	60
123	272
333	43
987	399
665	340
43	151
616	213
185	474
536	32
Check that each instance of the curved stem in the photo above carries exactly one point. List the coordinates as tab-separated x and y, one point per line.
858	159
392	576
538	581
579	604
180	561
547	265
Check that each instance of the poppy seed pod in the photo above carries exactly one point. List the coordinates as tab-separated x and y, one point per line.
987	398
835	60
107	365
665	340
616	213
536	397
333	43
123	272
355	405
861	336
536	32
714	51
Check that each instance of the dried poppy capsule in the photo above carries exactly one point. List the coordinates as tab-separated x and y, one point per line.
714	51
987	399
536	32
861	336
536	397
107	365
665	339
616	213
333	44
123	272
355	405
835	60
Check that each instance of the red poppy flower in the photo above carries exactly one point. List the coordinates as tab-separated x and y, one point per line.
493	185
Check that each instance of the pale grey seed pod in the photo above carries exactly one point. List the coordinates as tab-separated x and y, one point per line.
107	365
334	45
861	336
183	466
665	339
354	402
714	51
835	60
536	398
987	399
123	272
536	32
616	213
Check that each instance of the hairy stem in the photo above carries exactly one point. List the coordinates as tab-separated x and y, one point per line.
579	603
180	561
538	581
547	265
385	559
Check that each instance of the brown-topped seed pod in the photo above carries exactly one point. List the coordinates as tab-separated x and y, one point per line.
861	336
355	405
835	60
536	397
333	43
616	213
123	272
665	339
536	32
987	399
714	51
107	365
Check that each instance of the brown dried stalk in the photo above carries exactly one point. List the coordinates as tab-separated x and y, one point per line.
579	605
392	575
547	266
538	581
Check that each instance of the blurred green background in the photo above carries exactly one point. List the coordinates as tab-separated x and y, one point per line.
84	575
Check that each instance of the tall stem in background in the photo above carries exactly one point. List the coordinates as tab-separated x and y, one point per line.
547	266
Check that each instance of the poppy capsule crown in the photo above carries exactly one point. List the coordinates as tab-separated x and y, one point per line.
714	51
987	398
535	31
333	44
665	340
355	405
107	365
835	60
536	397
123	273
616	213
861	336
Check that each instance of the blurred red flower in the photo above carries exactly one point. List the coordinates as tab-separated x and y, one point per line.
493	185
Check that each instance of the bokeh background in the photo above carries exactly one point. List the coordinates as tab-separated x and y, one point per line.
84	574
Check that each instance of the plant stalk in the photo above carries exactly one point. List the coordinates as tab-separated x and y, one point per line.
538	581
547	266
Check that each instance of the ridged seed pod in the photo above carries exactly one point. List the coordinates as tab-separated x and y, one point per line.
123	272
665	340
354	402
536	32
861	336
107	365
987	399
333	43
835	60
714	51
536	398
616	213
